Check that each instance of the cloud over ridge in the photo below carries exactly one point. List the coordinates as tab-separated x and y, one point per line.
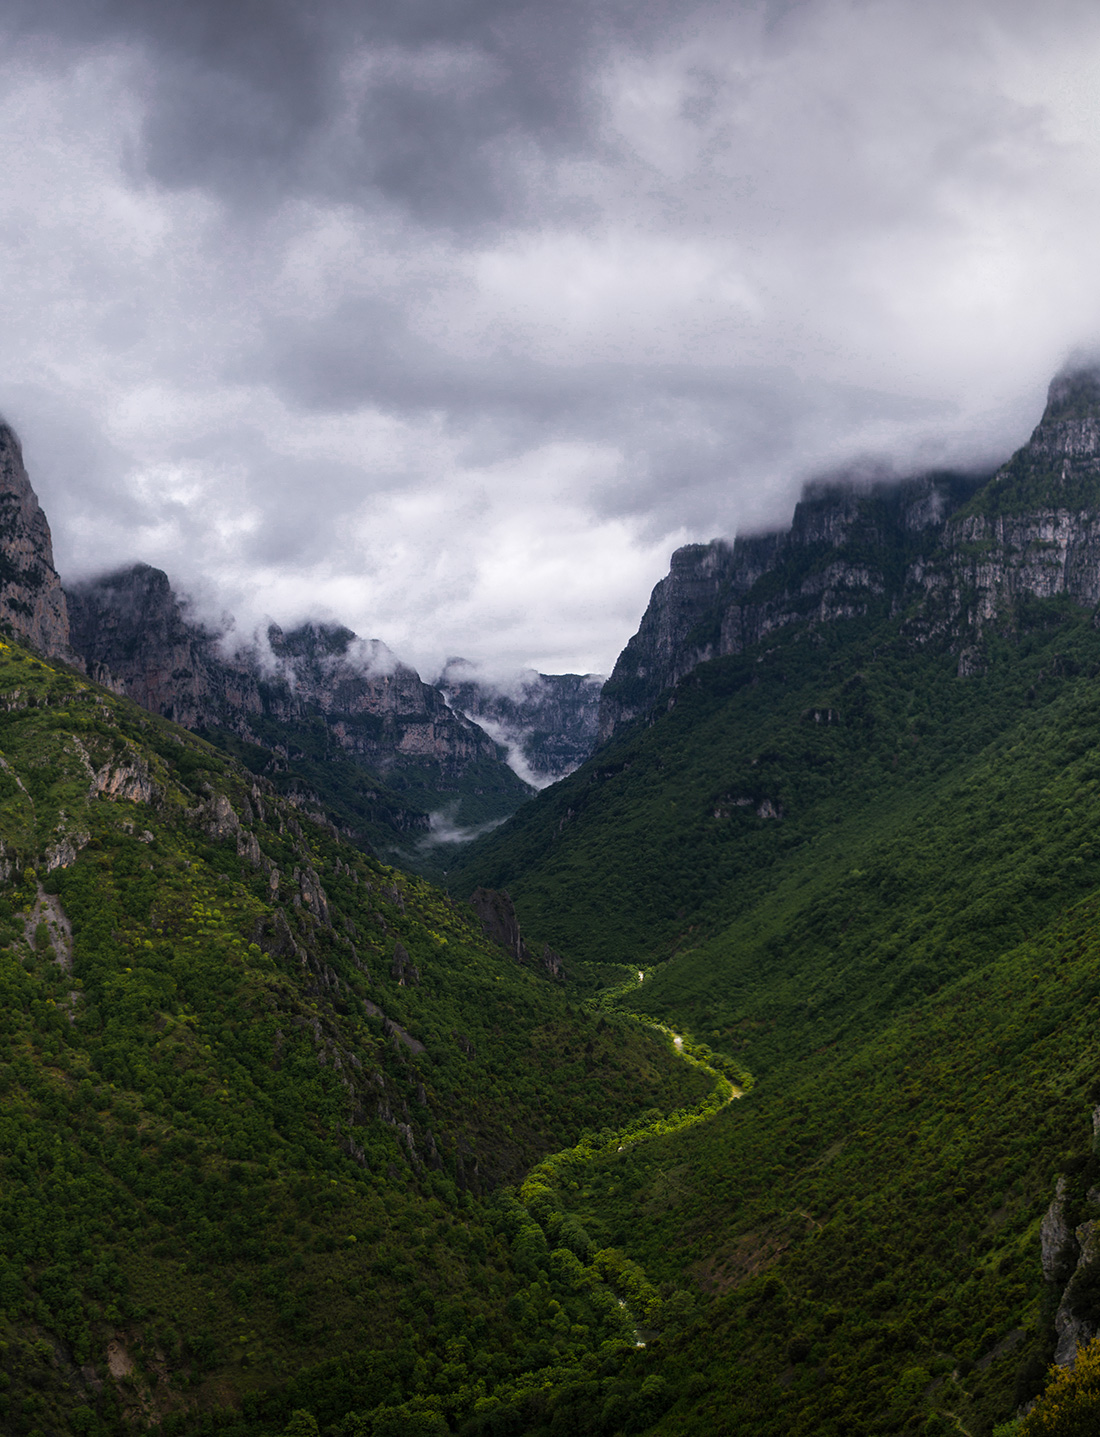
451	321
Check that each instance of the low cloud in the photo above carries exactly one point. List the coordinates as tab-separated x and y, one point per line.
449	323
444	830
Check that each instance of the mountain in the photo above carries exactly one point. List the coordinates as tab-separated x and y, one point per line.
32	601
790	1129
842	830
548	722
848	549
318	706
959	547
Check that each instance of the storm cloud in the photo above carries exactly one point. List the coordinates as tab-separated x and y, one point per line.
451	320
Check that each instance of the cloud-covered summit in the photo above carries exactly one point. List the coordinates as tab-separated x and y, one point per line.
451	321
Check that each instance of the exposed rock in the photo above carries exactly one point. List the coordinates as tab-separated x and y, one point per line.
313	895
1057	1242
403	968
846	548
275	938
32	601
1072	1327
58	932
551	720
399	1035
62	853
221	821
953	553
141	639
498	918
552	962
248	848
128	780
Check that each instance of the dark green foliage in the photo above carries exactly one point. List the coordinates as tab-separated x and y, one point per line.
905	961
245	1155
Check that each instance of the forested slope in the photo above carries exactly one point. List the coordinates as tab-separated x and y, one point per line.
260	1094
872	883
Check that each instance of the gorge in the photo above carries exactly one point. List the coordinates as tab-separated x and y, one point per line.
297	1141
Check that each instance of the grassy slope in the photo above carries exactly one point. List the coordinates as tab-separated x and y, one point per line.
221	1163
906	963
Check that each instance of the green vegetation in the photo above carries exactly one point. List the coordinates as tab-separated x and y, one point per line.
1071	1405
905	961
288	1147
304	762
258	1109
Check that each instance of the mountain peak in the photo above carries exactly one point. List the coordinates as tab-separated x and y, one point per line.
32	601
1074	393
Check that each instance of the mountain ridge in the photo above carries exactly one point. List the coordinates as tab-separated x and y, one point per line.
957	549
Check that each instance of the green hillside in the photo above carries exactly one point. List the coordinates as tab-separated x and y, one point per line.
874	886
260	1096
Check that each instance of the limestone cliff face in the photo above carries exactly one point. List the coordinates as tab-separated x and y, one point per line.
847	547
32	601
138	636
376	708
949	553
549	720
1034	529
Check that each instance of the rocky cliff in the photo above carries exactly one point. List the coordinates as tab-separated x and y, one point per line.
1034	529
306	696
950	553
848	547
32	601
548	722
138	638
136	633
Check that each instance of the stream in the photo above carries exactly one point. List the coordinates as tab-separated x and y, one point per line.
562	1166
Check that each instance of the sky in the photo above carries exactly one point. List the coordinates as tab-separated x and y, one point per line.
451	320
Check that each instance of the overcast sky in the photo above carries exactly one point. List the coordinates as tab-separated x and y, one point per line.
452	319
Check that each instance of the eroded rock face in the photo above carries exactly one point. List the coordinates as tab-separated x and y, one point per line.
139	637
32	601
847	547
1056	1237
1035	528
498	918
953	553
551	719
377	708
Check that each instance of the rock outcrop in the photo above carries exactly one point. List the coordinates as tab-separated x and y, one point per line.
32	601
848	546
548	720
139	637
1033	530
951	553
497	914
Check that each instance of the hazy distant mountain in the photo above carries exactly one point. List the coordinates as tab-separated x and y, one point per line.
309	697
547	722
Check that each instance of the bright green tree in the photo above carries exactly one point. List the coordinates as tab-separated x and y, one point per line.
1070	1407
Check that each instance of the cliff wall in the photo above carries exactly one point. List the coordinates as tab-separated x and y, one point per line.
32	601
950	553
